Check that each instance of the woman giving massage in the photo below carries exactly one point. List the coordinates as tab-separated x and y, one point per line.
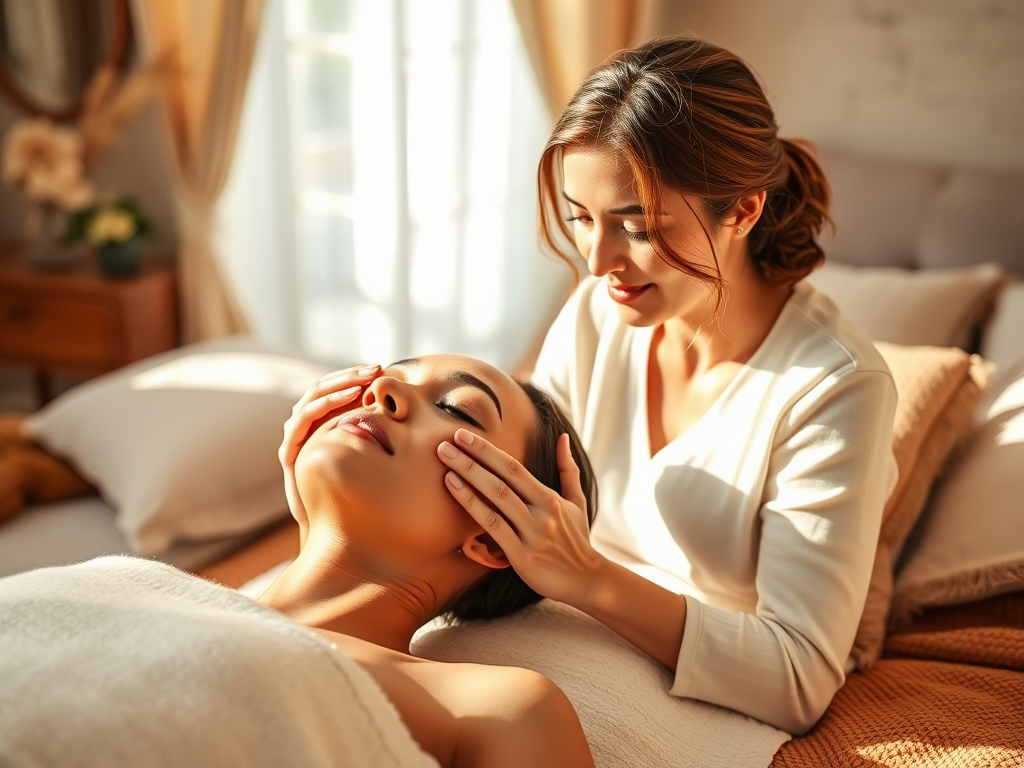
739	427
385	547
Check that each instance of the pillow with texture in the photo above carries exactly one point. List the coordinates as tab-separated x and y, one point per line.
1003	339
971	543
938	390
619	692
183	445
938	308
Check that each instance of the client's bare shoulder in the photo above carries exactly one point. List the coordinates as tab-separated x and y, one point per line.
474	714
512	717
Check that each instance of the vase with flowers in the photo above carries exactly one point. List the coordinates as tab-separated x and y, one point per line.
115	229
51	163
46	161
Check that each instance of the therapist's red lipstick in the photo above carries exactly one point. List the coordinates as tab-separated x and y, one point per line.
624	294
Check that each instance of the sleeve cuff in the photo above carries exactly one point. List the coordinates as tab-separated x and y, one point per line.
688	650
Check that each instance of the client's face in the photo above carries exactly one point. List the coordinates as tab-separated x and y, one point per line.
371	473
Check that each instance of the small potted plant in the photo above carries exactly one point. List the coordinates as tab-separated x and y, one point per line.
116	230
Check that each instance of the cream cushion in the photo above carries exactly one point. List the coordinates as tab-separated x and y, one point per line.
971	543
620	694
938	308
1003	340
183	445
938	391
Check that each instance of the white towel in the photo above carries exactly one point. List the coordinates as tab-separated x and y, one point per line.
620	694
121	661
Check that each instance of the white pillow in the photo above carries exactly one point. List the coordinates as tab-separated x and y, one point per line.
971	541
937	308
620	693
183	445
1003	340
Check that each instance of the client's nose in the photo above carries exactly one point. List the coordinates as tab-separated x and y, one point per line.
389	393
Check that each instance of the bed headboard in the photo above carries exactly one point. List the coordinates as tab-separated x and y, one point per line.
920	216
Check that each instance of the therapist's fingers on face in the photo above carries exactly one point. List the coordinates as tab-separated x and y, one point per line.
337	381
493	523
326	396
508	468
480	480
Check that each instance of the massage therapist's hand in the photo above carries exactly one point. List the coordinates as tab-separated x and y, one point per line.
544	535
331	393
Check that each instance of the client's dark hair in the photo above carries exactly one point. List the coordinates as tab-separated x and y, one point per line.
502	592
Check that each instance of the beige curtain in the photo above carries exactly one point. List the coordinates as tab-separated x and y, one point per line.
568	38
214	41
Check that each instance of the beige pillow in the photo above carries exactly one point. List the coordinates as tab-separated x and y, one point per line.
183	445
972	535
938	391
938	308
1003	339
619	692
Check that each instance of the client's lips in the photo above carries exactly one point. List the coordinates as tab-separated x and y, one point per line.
367	426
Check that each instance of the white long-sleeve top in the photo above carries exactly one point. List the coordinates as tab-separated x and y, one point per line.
765	513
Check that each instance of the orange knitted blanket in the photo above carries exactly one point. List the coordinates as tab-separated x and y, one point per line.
950	693
28	473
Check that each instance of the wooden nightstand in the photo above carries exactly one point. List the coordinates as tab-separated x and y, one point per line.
80	322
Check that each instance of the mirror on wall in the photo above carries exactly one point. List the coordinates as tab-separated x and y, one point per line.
49	50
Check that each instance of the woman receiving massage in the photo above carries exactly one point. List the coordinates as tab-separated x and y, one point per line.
385	548
739	426
121	660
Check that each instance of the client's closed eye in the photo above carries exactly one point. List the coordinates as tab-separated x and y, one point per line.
458	413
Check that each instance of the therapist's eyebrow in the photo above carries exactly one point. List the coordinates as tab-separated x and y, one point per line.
627	210
463	378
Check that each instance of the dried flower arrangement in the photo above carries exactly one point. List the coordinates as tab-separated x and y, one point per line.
47	162
51	163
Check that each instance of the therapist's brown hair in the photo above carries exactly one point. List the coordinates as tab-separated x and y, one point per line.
692	117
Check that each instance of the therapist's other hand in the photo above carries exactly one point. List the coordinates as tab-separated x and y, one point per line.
328	395
544	535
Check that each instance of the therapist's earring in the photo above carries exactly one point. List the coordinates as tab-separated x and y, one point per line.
739	230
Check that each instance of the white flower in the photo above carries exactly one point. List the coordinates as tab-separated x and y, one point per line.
110	225
46	161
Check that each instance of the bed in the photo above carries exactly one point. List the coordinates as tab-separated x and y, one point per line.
928	261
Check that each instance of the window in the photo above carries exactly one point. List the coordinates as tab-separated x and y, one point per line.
410	140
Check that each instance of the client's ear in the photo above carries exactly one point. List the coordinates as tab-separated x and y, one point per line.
482	549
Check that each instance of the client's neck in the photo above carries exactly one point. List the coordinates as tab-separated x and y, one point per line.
327	587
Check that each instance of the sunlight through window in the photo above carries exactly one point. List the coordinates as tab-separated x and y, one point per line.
415	198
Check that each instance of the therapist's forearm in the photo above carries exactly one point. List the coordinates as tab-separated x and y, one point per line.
649	616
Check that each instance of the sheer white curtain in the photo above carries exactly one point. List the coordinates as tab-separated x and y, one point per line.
383	201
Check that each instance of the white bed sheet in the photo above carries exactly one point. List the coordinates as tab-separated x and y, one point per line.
79	529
